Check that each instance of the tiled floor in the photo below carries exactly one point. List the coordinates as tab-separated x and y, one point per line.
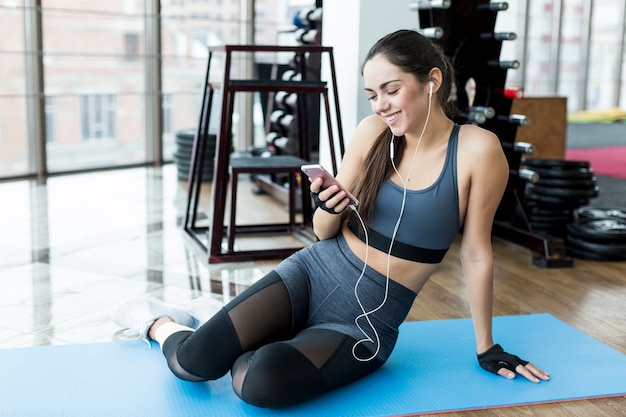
70	250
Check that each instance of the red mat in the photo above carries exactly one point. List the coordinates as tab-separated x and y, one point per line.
609	161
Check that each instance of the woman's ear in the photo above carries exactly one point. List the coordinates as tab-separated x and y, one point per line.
435	79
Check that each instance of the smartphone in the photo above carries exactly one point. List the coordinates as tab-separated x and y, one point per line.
314	171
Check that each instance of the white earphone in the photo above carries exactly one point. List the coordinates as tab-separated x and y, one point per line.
365	315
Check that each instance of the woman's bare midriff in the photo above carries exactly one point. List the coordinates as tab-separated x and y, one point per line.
410	274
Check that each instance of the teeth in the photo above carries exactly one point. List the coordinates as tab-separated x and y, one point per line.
392	117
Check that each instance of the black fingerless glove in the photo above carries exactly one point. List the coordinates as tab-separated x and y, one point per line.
495	358
321	204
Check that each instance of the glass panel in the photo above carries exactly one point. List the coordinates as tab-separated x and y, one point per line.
187	29
622	97
606	27
572	54
13	119
94	84
13	136
539	79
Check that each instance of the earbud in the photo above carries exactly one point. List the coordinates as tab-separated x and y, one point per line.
432	85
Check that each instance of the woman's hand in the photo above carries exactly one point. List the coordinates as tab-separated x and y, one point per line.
497	361
332	200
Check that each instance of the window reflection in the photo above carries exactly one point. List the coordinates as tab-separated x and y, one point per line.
92	65
13	120
97	115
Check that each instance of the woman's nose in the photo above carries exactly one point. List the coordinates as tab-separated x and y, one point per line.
380	105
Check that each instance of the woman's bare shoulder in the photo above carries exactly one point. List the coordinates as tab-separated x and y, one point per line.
475	141
369	128
373	122
366	133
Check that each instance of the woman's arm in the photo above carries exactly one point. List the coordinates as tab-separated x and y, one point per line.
489	174
327	225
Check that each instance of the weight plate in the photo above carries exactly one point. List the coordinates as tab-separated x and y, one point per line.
182	154
564	192
187	137
186	157
554	163
595	251
601	213
188	147
556	202
570	174
599	230
550	218
588	255
565	183
537	210
184	140
607	249
548	223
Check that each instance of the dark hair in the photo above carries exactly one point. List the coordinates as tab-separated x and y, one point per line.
414	53
418	55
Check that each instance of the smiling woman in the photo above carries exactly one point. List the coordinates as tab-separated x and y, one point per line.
330	313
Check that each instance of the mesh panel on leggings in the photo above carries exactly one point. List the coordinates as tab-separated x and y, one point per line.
262	314
259	315
285	373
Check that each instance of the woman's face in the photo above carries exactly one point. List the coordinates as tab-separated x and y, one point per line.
395	96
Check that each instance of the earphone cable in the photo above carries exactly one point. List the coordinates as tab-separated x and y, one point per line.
365	313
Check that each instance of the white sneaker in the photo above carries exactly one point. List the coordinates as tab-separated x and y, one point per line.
203	308
138	314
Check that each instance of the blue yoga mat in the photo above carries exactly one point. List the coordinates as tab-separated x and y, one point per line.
433	369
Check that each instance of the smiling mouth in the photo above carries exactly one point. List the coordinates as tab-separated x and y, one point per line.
392	117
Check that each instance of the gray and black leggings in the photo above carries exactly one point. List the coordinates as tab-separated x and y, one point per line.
278	351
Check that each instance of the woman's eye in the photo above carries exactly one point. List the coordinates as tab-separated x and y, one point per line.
370	98
393	92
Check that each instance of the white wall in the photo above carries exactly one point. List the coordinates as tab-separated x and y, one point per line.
351	27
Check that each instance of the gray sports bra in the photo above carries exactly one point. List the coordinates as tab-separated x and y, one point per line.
431	216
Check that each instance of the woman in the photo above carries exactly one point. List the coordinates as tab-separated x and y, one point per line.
329	314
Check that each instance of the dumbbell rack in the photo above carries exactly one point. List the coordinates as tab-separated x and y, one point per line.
466	31
215	234
285	122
